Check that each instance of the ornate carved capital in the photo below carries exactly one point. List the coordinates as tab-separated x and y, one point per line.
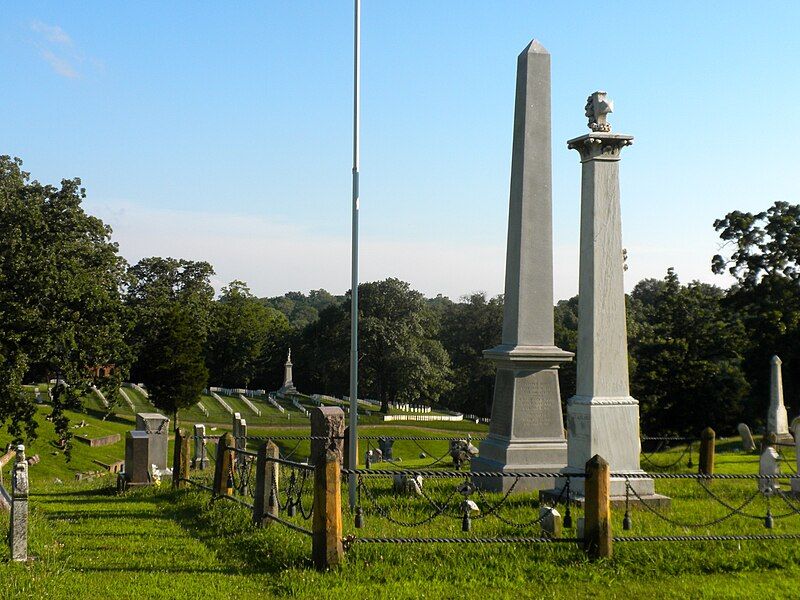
600	146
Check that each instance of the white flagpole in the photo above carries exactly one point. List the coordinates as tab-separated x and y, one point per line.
353	441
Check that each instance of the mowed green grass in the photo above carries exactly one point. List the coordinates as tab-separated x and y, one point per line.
156	543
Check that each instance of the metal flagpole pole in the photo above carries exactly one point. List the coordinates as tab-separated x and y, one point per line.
353	441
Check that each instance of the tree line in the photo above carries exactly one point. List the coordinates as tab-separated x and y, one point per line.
70	304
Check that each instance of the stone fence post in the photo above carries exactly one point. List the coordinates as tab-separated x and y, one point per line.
327	448
267	479
223	467
706	460
18	532
597	513
180	460
200	459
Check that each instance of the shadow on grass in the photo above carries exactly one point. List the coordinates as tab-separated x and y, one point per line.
227	529
108	417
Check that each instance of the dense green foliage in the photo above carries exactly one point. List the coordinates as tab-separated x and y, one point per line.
60	306
171	304
239	343
698	354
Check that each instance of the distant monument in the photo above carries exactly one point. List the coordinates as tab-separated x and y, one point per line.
288	385
777	419
526	432
602	417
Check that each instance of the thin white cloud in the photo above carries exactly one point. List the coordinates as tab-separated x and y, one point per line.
51	33
59	64
57	49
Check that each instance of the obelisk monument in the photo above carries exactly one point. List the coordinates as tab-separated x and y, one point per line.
527	428
602	417
777	419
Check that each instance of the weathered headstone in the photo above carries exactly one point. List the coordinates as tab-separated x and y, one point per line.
526	429
18	532
769	464
777	419
157	428
602	417
137	457
386	446
407	484
551	521
200	459
748	444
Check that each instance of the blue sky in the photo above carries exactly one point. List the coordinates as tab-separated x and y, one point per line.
223	132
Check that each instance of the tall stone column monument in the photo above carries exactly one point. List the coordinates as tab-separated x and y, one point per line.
288	385
777	419
602	418
527	429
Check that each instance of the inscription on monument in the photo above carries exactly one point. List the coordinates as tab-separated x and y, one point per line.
535	409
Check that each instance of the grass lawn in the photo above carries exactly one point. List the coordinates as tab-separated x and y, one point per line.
156	543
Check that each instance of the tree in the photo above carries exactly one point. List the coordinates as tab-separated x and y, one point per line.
172	361
242	326
60	280
155	284
765	260
401	358
686	355
467	329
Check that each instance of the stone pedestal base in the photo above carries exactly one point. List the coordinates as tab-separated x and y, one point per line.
514	455
200	464
578	499
526	433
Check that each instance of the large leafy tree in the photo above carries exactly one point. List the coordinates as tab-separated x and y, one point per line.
401	358
687	355
170	301
240	335
60	303
171	361
762	251
468	328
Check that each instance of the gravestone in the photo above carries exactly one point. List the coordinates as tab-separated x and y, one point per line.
156	426
551	521
526	431
18	530
777	419
748	444
769	464
386	445
137	457
602	417
200	459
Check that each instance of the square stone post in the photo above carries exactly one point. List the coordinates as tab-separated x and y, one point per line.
327	432
266	497
602	418
526	432
200	459
18	532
